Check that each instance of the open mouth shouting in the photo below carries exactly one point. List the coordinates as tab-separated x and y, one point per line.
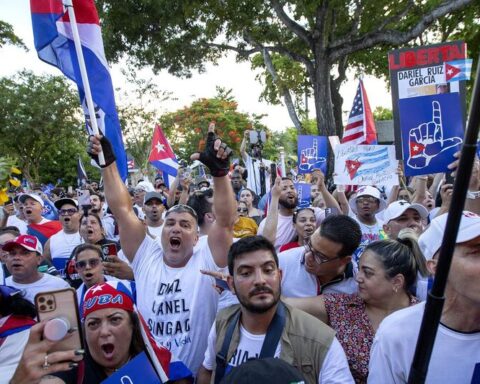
175	242
108	350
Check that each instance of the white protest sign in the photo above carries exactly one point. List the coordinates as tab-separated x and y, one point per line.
365	165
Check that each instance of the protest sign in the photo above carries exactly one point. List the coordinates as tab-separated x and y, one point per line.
365	165
304	194
312	153
136	371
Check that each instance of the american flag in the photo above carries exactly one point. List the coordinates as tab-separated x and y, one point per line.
360	128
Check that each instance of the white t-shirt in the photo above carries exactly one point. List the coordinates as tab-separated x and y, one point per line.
370	233
455	356
11	350
156	231
61	246
45	284
13	220
297	282
253	178
108	223
178	304
334	369
285	229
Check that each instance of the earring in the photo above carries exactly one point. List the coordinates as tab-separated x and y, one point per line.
395	289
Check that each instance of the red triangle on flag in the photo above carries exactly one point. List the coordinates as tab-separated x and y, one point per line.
451	71
416	148
352	167
160	147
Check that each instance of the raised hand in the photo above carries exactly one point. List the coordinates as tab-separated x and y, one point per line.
426	141
309	158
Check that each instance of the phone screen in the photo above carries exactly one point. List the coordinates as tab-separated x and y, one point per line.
109	251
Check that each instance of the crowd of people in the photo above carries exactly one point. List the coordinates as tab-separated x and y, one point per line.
225	269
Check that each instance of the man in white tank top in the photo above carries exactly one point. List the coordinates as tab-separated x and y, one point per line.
60	246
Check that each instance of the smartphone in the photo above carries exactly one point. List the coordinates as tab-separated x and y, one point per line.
222	284
449	179
109	251
61	304
273	173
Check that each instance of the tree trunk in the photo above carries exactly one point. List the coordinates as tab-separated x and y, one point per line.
337	100
323	98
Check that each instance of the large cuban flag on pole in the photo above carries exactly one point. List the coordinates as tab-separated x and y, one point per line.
53	34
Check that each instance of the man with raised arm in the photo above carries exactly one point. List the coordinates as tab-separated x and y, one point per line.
177	302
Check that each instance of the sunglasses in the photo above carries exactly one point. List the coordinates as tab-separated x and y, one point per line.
82	264
180	208
242	210
67	212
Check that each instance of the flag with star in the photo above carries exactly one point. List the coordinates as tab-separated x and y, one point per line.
162	156
458	70
360	128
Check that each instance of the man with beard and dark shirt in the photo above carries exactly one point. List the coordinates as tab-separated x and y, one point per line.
263	326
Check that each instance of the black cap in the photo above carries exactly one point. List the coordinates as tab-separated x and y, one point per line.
265	371
153	195
61	202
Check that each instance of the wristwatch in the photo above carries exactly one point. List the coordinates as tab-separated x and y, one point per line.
473	195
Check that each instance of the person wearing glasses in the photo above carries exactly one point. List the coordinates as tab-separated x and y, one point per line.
244	226
24	257
324	263
177	302
387	273
89	266
60	246
365	206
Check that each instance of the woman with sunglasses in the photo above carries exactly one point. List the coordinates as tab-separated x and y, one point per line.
244	226
305	223
388	271
88	260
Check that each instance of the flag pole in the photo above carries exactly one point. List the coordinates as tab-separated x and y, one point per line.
83	72
436	298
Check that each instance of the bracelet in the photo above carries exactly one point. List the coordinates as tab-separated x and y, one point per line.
473	195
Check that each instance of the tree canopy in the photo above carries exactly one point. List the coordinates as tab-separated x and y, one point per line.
324	38
187	127
40	126
7	36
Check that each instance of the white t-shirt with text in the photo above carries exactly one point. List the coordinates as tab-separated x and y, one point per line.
178	304
44	284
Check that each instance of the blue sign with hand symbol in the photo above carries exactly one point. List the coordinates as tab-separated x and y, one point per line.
432	131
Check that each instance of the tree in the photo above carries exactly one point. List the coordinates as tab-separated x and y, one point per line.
40	126
187	128
7	36
322	36
381	113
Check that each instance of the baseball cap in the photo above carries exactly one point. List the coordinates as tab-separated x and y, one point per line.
29	242
144	186
61	202
33	196
153	195
265	371
431	240
397	208
201	179
367	190
111	294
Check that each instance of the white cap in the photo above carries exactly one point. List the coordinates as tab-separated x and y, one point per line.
367	190
34	196
431	240
144	186
397	208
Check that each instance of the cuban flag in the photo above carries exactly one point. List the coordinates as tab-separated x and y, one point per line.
54	44
367	163
162	156
458	70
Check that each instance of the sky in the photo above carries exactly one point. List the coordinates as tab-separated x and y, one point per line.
228	74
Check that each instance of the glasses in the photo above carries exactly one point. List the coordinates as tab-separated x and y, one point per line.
67	212
82	264
242	210
319	257
180	208
362	200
